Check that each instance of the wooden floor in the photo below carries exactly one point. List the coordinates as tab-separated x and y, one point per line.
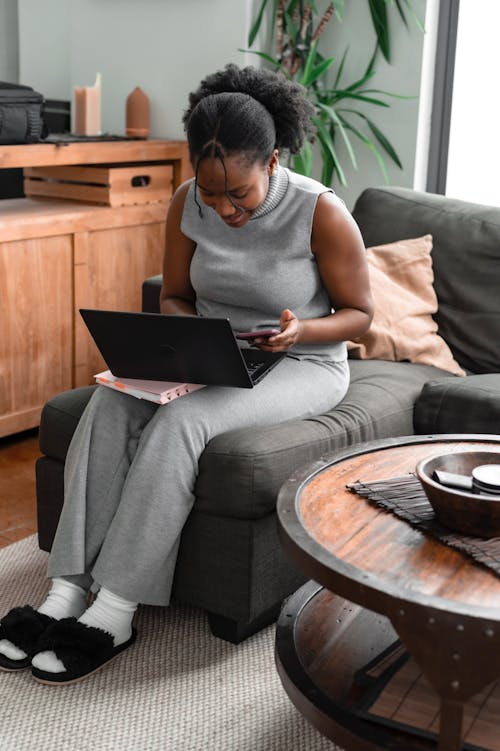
17	486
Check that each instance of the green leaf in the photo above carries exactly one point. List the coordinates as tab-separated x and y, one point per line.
316	72
326	144
303	162
412	12
378	11
370	68
263	55
371	146
258	21
401	12
360	81
360	98
340	70
380	159
386	145
330	112
309	65
290	28
339	7
387	93
383	141
327	169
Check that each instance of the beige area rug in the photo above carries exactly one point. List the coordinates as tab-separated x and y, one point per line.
177	689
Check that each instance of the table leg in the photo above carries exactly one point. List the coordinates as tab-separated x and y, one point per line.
458	654
451	725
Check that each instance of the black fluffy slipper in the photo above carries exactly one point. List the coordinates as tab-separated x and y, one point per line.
82	649
23	627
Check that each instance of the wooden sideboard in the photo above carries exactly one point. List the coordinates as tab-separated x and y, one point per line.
57	256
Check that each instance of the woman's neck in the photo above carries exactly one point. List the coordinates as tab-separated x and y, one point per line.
278	182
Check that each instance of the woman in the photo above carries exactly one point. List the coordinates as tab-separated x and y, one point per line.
247	240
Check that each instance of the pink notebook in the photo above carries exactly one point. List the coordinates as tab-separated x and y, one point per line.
160	392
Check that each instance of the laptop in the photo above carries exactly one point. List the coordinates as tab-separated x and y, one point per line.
188	349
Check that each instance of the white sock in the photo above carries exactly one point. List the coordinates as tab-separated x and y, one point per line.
108	612
11	651
113	614
65	599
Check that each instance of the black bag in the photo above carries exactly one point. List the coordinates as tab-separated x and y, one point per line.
21	114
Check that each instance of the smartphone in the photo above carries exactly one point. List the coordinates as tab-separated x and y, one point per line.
257	333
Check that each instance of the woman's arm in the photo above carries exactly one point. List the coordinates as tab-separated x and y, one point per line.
340	253
177	295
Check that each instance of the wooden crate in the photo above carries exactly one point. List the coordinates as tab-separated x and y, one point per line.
112	185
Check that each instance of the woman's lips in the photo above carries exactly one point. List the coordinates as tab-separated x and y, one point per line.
234	221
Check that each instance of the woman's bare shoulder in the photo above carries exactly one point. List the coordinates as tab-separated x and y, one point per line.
179	197
332	216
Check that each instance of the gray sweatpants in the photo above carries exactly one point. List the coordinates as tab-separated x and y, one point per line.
132	466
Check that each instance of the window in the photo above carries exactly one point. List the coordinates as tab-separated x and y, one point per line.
473	169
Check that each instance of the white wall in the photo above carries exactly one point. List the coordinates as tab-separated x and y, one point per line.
164	46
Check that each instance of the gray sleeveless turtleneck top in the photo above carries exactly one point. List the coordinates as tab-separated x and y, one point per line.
251	273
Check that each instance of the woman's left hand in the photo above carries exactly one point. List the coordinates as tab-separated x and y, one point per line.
288	336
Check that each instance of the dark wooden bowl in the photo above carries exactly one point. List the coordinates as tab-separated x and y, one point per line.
460	510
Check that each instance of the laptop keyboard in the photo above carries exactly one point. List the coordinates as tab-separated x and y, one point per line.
259	363
252	367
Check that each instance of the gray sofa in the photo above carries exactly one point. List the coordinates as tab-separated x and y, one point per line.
230	561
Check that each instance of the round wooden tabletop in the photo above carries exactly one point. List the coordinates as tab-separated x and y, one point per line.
370	555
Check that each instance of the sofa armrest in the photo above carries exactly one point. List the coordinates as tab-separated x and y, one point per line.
459	405
151	294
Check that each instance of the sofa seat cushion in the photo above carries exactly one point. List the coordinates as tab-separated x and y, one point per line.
242	471
459	405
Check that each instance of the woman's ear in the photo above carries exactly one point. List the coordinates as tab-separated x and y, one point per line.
273	162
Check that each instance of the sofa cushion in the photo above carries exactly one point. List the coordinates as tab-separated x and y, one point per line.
465	405
242	471
151	288
466	263
404	300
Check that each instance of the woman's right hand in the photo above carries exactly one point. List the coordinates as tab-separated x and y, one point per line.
288	336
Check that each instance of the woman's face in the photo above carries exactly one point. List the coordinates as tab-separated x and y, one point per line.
236	192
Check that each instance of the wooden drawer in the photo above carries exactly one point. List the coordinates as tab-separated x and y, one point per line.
112	185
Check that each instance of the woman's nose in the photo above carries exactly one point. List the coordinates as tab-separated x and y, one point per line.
224	207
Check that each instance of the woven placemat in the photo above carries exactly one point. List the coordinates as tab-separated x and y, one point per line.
405	497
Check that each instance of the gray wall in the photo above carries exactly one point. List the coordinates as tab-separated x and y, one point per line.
164	46
167	46
9	53
399	121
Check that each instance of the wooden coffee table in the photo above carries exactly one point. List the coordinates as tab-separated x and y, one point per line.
382	579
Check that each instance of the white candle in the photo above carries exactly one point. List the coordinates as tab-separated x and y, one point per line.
87	109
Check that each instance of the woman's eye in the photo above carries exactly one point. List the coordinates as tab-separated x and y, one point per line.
239	196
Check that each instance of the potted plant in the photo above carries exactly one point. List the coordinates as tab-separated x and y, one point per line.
296	29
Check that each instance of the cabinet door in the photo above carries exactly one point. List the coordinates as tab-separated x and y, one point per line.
110	266
36	327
